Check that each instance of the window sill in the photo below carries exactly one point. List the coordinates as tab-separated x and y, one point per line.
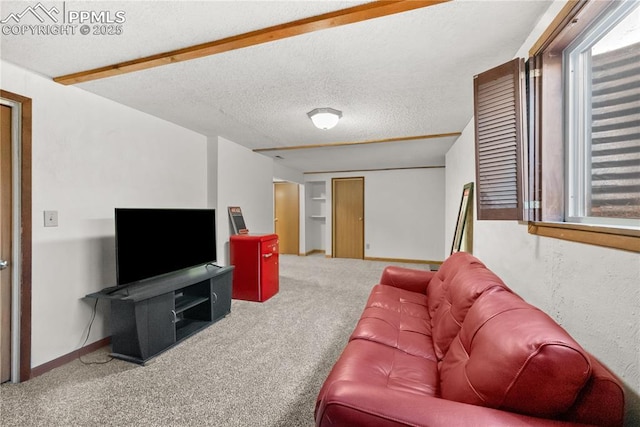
610	237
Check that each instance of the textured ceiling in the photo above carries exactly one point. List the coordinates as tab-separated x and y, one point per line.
402	75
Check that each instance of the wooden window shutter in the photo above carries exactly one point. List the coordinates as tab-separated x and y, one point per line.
499	107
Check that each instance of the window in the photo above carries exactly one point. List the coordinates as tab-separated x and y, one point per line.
578	168
602	109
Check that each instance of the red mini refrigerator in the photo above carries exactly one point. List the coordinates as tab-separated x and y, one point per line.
256	273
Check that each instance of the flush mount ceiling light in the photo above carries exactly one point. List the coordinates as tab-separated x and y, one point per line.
324	118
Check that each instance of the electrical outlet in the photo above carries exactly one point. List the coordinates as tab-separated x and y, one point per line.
368	246
50	218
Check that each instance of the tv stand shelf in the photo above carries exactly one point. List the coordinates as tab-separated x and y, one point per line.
185	302
152	315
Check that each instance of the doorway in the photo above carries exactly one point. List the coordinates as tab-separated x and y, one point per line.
5	243
15	229
287	216
348	217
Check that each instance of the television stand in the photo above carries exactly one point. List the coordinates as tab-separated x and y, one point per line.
152	315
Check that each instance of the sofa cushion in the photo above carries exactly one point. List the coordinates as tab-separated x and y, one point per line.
460	292
398	300
510	355
372	363
396	318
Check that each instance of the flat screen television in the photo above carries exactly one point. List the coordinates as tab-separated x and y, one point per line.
152	242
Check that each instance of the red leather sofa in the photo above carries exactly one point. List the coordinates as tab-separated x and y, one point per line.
457	347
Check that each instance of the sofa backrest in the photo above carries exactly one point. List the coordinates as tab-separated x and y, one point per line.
496	350
458	283
510	355
461	292
449	268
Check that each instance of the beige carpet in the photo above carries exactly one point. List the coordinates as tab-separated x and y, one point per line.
260	366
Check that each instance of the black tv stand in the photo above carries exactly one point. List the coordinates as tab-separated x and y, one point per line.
152	315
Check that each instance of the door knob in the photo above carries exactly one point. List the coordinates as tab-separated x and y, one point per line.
275	220
3	264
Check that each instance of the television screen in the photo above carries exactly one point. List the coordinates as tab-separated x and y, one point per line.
151	242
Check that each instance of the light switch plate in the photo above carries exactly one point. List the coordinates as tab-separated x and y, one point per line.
50	218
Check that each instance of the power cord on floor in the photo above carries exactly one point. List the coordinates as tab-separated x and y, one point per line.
93	317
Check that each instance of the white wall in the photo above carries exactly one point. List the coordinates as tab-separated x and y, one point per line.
287	174
245	179
90	155
404	216
460	170
591	291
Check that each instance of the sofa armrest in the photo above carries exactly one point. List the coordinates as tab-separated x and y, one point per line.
347	403
407	278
